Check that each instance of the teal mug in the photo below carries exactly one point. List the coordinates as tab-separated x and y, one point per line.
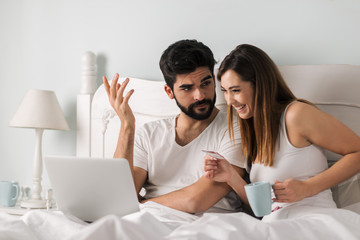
259	196
9	193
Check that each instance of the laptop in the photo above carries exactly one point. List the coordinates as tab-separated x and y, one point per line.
90	188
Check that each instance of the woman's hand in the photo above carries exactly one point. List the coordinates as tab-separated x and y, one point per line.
119	103
290	190
219	170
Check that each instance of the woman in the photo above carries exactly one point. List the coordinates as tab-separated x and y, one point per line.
282	137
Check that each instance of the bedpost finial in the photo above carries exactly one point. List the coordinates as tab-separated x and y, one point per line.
89	58
88	85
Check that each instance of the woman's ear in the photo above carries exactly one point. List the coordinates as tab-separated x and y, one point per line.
168	91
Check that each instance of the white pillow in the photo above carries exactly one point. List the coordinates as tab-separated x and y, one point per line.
347	194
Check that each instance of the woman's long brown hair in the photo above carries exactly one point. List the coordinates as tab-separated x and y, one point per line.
259	134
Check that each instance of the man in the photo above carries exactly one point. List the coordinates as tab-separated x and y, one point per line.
165	155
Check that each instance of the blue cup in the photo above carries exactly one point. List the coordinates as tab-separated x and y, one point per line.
9	193
259	196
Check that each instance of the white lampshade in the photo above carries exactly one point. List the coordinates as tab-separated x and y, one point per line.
39	109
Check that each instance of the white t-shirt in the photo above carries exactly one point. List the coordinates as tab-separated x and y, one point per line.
171	167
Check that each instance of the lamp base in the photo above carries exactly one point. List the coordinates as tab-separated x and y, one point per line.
33	203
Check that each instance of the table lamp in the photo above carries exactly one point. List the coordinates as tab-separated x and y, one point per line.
41	110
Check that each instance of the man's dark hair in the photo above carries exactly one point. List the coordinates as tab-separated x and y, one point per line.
185	56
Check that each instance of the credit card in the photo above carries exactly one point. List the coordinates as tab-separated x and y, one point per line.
213	154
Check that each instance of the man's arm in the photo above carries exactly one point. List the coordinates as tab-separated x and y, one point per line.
198	197
125	149
125	144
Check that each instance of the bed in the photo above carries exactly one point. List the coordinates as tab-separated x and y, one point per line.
333	88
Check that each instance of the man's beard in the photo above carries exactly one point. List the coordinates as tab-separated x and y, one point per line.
198	116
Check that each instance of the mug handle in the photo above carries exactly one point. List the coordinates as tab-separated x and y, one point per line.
272	191
17	191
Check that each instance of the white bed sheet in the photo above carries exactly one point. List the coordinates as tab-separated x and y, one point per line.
155	221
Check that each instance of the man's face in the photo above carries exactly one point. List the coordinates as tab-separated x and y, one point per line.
194	93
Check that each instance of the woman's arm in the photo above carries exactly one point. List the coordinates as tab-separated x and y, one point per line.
308	125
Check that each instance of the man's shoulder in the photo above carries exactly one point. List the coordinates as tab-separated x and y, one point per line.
221	115
165	123
220	120
220	124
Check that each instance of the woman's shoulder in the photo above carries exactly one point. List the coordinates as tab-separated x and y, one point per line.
300	118
303	115
299	110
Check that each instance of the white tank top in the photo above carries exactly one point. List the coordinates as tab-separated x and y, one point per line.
296	163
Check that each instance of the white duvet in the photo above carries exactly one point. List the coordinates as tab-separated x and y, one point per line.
158	222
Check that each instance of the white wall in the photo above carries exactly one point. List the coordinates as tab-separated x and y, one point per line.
42	41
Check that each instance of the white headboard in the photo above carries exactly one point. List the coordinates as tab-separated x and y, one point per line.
334	88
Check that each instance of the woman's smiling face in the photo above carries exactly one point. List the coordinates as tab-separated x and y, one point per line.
238	93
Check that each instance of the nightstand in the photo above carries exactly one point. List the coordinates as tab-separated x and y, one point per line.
16	210
19	211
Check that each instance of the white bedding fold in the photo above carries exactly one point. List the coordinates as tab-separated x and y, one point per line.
140	225
52	224
303	222
13	228
155	221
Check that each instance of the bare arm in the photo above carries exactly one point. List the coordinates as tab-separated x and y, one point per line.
198	197
308	125
125	149
125	144
221	170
